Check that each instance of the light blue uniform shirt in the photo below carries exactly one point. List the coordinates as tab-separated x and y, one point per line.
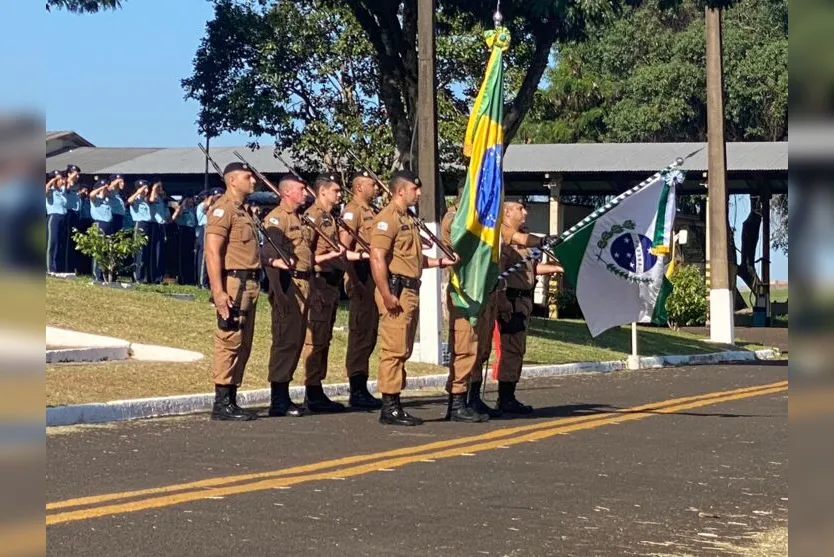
187	217
73	199
140	210
117	204
100	209
84	213
159	211
202	217
56	202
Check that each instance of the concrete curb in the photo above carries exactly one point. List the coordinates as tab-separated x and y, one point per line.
119	410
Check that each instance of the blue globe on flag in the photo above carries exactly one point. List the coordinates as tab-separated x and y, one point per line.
632	252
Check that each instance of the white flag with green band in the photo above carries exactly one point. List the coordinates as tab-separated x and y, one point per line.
617	261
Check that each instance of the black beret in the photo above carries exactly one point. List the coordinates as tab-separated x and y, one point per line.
140	183
328	178
235	166
102	182
55	173
114	177
406	176
216	191
73	168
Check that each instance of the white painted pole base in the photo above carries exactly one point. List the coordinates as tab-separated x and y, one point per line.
722	325
430	349
633	361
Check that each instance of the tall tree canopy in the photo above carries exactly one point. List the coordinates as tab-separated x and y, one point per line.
83	6
322	75
643	78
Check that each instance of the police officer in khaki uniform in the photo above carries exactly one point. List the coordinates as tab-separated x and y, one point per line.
397	263
289	291
515	304
363	323
232	259
325	293
464	348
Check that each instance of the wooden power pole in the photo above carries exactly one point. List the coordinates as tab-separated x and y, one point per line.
430	301
721	298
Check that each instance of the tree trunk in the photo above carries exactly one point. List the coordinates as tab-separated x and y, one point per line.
750	233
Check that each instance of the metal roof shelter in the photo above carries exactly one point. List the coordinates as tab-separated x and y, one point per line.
580	168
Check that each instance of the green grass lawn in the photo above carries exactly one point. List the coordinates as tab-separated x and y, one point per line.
147	315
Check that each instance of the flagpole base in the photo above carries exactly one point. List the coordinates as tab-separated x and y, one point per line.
633	363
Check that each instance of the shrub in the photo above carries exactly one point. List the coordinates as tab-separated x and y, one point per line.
108	251
687	304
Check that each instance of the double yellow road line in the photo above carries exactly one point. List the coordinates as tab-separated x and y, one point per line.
342	468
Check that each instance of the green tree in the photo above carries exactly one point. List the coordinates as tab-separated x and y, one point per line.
83	6
642	79
111	251
324	75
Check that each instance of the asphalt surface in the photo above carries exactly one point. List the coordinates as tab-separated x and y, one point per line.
580	477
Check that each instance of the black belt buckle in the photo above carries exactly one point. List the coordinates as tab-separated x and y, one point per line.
243	275
407	282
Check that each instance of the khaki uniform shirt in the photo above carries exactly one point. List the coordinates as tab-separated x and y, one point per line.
323	220
510	255
287	231
446	225
228	219
396	233
359	217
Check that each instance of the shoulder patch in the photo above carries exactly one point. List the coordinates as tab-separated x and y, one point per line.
274	221
218	212
382	225
348	216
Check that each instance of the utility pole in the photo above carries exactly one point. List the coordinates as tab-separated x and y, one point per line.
432	193
722	327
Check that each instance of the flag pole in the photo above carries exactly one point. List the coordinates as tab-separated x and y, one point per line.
634	359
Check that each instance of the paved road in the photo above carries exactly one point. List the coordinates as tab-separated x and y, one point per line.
673	461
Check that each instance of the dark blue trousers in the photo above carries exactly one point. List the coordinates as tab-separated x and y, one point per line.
200	257
107	228
157	253
56	239
142	258
185	252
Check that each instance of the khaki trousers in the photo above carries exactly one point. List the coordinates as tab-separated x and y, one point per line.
324	301
514	345
363	328
396	339
288	330
470	346
232	348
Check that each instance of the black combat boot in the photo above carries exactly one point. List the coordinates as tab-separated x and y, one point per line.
223	408
280	403
393	413
360	397
233	395
459	411
316	401
507	402
477	404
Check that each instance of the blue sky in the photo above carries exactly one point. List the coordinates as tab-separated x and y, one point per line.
114	77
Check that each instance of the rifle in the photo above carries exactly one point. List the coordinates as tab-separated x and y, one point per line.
339	221
281	253
420	222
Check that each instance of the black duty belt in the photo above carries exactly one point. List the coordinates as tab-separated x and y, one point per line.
300	275
242	274
333	278
408	282
513	293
